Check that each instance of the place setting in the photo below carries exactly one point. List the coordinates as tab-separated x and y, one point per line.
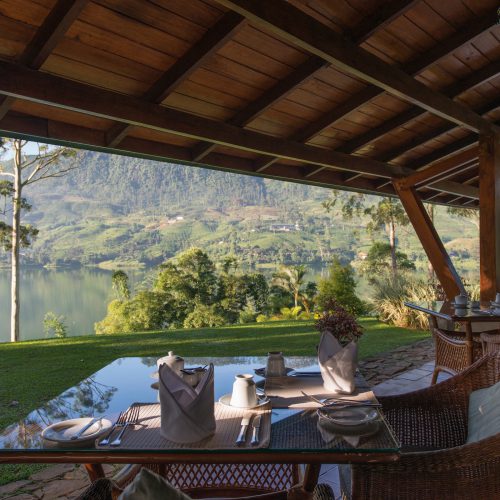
187	415
75	432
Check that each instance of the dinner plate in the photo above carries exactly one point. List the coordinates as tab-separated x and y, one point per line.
226	400
350	417
261	372
61	433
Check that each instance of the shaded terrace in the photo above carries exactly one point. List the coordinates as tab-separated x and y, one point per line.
391	98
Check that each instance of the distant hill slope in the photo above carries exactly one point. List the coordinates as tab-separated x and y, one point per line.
120	210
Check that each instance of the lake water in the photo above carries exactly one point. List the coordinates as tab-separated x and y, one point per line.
81	295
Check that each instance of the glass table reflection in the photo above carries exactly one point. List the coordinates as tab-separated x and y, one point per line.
129	380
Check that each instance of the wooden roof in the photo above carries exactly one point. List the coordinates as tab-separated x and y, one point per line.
348	94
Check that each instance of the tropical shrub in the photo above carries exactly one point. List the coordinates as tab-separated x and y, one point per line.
390	294
146	311
340	286
204	316
54	326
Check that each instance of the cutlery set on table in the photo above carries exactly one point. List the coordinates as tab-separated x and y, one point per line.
187	415
245	423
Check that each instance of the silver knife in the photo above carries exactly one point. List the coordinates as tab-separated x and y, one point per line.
85	427
256	428
245	422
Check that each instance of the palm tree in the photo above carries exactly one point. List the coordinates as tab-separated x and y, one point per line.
291	279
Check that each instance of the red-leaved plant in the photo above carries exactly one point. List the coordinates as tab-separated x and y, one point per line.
337	321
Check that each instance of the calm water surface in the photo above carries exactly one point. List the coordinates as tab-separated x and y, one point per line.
81	295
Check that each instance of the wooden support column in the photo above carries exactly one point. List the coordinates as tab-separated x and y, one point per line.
489	211
427	234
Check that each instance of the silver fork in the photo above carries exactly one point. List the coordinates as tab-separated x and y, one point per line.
131	420
121	417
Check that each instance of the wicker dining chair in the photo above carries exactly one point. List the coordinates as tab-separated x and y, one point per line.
106	489
452	353
490	342
220	480
436	463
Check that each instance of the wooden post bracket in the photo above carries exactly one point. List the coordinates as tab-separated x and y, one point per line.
432	244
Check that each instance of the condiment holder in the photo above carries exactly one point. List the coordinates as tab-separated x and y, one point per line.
275	364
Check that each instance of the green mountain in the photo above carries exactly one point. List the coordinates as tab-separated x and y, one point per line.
118	210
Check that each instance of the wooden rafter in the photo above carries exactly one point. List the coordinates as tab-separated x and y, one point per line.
51	90
180	71
432	244
413	68
306	71
440	169
291	24
429	136
279	91
477	78
55	25
52	131
384	16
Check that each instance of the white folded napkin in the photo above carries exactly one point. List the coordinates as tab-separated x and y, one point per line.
187	413
337	364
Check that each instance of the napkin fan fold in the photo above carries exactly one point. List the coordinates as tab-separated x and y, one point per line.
337	364
187	413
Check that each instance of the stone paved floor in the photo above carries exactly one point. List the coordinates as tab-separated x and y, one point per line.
401	370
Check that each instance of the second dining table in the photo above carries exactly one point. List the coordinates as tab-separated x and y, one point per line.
295	437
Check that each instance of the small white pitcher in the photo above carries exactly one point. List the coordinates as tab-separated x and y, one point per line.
244	393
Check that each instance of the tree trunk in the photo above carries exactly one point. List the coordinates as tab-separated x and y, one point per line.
392	243
296	298
16	223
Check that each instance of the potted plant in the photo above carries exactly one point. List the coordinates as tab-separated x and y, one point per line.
338	348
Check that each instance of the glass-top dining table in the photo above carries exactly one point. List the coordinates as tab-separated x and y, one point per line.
294	436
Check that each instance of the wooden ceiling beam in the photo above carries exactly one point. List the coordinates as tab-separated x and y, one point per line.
279	91
443	152
182	69
429	136
414	67
477	78
292	25
23	83
367	28
53	28
56	132
441	168
381	18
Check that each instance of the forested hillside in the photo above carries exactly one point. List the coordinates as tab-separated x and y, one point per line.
118	210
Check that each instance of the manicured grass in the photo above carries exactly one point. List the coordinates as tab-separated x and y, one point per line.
34	372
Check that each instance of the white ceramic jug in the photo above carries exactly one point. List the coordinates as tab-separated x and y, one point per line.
244	392
175	363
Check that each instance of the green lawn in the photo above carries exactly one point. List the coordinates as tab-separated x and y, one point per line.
33	372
